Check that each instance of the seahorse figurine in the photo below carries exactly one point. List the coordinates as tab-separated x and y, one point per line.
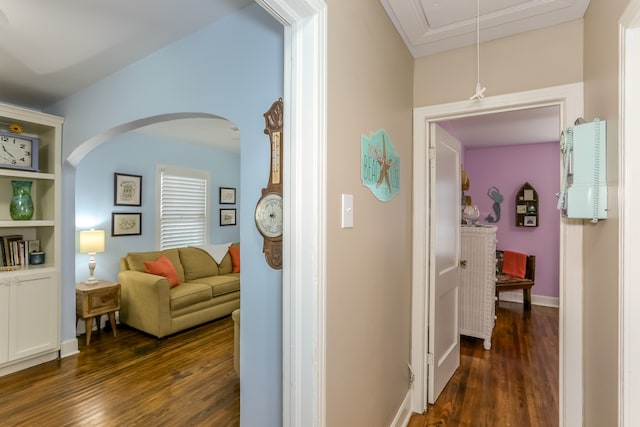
494	194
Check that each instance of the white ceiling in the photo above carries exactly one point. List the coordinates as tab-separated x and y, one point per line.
212	132
432	26
52	49
531	126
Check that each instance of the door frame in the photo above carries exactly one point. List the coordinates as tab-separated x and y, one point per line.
628	204
304	237
570	99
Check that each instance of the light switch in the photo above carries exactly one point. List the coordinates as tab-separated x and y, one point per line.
347	211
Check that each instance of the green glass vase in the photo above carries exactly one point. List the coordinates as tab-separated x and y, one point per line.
21	207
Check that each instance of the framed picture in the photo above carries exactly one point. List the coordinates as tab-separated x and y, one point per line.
126	224
227	196
521	209
530	221
127	190
227	217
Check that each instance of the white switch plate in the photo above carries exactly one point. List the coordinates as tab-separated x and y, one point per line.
347	211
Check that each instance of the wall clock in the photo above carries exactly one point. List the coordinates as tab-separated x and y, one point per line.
18	151
269	208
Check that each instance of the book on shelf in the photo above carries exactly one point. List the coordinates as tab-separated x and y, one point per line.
7	249
14	250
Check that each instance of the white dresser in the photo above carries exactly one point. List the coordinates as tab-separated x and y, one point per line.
477	282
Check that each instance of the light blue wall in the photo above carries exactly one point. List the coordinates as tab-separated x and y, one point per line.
143	154
233	69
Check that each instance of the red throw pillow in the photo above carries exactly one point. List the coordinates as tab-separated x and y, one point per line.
234	251
163	267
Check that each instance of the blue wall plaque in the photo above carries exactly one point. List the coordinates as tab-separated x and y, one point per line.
380	165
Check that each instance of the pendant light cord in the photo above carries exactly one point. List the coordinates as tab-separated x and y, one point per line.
479	89
478	41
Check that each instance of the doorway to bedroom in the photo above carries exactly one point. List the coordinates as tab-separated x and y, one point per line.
568	100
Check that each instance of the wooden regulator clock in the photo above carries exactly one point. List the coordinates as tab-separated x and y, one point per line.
269	207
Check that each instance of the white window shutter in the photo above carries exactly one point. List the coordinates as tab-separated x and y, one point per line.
183	209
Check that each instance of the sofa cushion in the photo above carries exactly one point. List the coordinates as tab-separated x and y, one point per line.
136	260
197	263
189	293
222	284
225	267
163	267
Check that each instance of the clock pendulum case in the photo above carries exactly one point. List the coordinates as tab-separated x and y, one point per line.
269	207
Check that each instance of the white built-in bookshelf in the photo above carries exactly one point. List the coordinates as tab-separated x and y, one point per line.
30	294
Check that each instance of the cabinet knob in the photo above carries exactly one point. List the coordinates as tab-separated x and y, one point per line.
463	263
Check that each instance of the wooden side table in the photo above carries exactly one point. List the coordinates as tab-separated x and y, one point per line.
94	300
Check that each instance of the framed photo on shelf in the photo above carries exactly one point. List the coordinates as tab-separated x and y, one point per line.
521	209
127	189
530	221
126	224
227	217
227	196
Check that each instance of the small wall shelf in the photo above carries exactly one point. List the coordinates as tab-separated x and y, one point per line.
527	206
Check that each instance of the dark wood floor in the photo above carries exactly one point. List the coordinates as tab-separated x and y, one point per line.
188	380
513	384
132	380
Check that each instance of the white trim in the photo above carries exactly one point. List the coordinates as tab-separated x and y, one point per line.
304	246
570	100
516	296
403	415
629	229
69	347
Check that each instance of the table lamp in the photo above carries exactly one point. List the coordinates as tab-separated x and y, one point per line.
91	242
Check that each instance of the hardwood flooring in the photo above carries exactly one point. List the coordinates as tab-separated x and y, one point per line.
188	380
132	380
513	384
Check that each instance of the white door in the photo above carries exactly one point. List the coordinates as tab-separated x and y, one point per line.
445	194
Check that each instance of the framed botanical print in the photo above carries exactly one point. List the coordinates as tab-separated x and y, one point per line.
227	196
127	190
227	217
126	224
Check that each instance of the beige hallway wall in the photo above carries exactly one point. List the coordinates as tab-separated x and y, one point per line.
370	78
537	59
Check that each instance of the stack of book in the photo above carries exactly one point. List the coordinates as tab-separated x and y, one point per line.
14	250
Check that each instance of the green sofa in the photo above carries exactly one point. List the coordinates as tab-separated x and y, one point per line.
207	291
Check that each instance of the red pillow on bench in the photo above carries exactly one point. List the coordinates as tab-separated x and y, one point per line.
514	264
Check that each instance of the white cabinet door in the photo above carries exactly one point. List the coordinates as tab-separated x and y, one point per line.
5	291
34	311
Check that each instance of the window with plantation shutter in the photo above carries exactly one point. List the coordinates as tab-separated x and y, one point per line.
184	208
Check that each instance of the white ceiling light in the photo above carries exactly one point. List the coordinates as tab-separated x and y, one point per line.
480	90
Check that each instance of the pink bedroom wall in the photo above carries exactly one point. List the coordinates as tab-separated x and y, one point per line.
508	168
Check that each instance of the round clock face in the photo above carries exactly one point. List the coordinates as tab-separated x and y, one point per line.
269	215
15	151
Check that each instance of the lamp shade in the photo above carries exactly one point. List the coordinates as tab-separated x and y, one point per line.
92	241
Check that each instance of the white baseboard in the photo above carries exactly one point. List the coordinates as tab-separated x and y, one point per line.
404	412
69	348
516	296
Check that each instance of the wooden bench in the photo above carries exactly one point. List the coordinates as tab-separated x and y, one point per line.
505	282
